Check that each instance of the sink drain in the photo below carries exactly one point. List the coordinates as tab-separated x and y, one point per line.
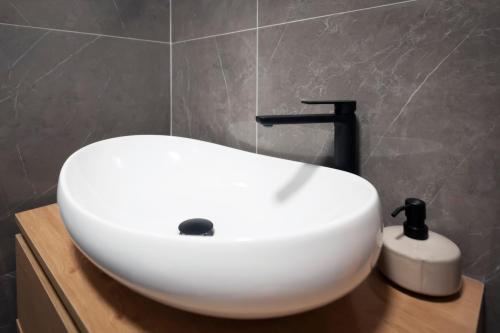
197	227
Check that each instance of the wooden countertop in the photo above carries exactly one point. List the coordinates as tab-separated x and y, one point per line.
98	303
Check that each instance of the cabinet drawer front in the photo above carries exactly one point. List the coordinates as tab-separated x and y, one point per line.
39	309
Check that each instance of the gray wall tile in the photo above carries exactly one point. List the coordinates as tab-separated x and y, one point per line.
9	328
214	90
279	11
7	301
377	57
7	253
445	121
467	207
131	18
492	305
69	90
59	92
198	18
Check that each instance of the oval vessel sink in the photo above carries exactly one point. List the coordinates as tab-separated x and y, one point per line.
287	236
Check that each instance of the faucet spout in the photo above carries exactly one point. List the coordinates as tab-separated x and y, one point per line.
297	119
344	120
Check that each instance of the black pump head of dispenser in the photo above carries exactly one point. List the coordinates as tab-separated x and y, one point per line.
414	227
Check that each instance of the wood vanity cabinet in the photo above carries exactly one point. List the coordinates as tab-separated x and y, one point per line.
39	308
59	290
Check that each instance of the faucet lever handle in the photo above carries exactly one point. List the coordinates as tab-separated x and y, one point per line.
341	106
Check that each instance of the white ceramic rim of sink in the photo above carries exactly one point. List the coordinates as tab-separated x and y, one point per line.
344	219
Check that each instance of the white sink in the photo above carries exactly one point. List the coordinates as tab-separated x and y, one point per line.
288	237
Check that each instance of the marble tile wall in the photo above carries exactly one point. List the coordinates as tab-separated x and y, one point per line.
425	73
199	18
131	18
71	73
215	77
227	115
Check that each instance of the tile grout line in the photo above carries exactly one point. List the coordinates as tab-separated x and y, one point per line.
208	36
171	69
83	33
257	79
338	13
215	35
295	21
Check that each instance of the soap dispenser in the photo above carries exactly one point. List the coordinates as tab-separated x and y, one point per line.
418	259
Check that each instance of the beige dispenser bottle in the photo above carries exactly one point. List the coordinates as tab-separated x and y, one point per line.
418	259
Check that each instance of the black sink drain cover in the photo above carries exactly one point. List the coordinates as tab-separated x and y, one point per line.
197	227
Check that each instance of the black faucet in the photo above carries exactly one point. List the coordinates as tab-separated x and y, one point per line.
344	120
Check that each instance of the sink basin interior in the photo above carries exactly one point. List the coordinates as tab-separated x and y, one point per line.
246	196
